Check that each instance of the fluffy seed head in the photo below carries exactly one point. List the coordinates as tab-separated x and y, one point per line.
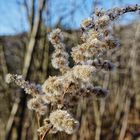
53	88
63	121
84	72
56	36
38	105
86	23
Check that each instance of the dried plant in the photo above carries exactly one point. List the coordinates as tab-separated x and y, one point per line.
62	92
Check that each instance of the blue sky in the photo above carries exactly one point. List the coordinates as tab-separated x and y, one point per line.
13	18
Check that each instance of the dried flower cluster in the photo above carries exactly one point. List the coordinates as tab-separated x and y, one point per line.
60	56
97	39
63	121
76	81
31	89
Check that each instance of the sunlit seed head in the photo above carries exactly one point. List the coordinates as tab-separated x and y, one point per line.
63	121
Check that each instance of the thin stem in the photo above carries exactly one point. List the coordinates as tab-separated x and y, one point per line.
47	131
38	123
38	119
62	99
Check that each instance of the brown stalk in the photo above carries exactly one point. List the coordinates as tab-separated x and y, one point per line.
47	131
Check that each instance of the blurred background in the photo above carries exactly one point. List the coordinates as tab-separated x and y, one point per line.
24	49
